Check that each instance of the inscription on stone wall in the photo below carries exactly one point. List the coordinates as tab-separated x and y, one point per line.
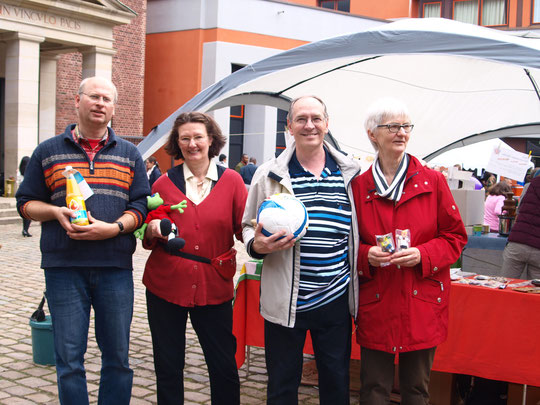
38	17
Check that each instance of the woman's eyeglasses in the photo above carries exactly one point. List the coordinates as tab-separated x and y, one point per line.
394	128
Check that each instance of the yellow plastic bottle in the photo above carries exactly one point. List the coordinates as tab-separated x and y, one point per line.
74	198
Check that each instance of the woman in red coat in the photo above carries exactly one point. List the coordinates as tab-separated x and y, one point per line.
405	278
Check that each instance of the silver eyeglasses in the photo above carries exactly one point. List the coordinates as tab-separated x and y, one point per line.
394	128
96	97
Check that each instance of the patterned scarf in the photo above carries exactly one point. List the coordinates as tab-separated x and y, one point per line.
394	190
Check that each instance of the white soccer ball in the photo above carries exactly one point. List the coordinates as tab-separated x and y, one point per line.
283	212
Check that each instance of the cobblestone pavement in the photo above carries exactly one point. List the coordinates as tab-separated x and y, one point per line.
24	382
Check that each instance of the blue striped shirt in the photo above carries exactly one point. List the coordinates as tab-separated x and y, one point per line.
324	265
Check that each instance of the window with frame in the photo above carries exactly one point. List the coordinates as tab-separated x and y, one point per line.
492	12
536	12
339	5
432	10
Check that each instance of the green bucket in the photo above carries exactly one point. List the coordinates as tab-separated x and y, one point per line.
42	342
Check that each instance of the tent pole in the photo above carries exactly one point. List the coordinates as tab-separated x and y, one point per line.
533	83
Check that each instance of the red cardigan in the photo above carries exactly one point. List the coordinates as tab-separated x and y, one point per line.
208	229
405	309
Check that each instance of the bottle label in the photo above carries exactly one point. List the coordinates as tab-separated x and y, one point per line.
76	204
81	218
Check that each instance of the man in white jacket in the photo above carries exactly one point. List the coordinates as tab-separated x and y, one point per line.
308	284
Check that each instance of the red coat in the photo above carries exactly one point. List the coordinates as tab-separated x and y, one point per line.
405	309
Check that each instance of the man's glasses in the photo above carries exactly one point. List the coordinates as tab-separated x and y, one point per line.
96	98
394	128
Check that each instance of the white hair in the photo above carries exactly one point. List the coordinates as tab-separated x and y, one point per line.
383	109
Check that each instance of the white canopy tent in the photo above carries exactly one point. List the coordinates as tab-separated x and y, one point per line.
462	84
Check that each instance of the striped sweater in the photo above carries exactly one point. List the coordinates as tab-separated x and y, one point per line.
118	179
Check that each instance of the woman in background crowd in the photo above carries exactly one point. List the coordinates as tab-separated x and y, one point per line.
22	169
187	284
494	203
404	287
152	170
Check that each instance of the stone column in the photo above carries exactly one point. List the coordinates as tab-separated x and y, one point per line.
97	62
21	99
47	96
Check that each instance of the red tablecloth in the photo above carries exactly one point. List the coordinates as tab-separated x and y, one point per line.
493	334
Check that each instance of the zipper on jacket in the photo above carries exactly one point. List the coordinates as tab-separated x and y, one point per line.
292	287
353	268
90	163
106	146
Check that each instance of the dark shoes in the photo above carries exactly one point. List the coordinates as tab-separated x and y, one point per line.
26	233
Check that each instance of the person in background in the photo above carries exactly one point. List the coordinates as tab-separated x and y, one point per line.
152	170
89	266
488	180
22	169
509	181
494	203
248	171
222	160
310	284
531	174
523	249
186	283
243	161
404	290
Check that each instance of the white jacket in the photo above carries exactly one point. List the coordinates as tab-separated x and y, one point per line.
280	274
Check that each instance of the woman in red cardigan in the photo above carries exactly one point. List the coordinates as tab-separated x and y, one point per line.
185	283
410	233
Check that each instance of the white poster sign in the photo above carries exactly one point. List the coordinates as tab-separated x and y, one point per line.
509	163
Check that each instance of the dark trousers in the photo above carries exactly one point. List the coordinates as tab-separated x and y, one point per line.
213	325
377	376
26	224
330	329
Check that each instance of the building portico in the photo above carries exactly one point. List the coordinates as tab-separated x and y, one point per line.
33	35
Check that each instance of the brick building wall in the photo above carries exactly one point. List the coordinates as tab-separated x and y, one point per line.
127	75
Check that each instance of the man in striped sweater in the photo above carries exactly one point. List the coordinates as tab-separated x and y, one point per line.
310	284
89	266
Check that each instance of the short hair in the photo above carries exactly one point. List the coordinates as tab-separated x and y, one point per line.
222	157
500	188
23	164
253	160
293	102
212	129
381	110
109	83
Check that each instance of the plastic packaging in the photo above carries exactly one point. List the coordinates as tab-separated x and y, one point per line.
403	239
74	198
386	243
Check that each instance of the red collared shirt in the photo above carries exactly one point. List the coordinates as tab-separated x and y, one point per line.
90	146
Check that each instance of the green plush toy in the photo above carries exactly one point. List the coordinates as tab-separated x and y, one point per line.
161	211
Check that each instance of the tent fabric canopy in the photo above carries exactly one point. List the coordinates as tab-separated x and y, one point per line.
462	83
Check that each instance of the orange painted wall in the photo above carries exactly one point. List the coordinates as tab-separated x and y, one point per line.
174	65
381	9
312	3
248	38
174	69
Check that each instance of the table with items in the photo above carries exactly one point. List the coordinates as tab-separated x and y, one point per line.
494	327
483	253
